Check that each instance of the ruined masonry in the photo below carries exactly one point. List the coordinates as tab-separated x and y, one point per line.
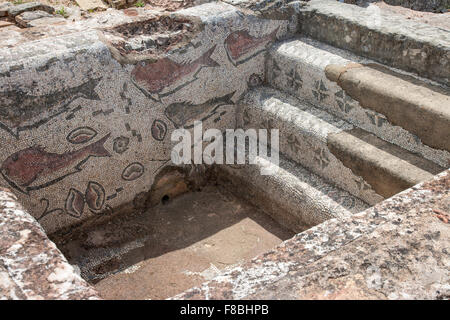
92	207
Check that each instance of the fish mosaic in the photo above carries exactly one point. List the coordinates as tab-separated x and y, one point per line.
183	115
153	78
28	169
240	46
54	181
28	106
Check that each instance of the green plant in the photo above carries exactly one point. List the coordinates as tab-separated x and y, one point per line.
62	12
140	3
17	1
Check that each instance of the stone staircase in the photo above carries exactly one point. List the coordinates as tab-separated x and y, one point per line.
354	130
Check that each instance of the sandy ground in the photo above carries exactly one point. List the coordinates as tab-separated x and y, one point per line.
441	20
166	250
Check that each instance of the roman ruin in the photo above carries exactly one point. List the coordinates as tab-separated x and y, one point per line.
93	207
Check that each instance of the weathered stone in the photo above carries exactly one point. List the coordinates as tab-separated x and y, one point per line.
31	267
46	22
30	6
387	168
118	4
334	149
4	7
292	195
303	137
421	5
388	38
91	4
5	24
25	18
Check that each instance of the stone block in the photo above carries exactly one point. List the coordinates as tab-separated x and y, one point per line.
30	6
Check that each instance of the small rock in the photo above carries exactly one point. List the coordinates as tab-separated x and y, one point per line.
4	8
118	4
30	6
46	22
162	40
25	18
91	4
130	12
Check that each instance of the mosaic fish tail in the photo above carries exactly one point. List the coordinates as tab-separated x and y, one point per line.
206	59
97	149
227	98
88	89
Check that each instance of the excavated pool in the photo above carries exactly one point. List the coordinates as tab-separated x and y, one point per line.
89	109
178	244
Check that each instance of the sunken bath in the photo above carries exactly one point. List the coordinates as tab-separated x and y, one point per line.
88	110
178	244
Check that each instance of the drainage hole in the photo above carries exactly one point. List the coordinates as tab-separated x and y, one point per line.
165	199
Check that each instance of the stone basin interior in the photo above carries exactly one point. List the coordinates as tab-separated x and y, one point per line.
158	252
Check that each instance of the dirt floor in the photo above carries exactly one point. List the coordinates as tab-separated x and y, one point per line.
172	247
441	20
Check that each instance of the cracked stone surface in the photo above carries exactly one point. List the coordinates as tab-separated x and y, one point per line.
30	6
31	267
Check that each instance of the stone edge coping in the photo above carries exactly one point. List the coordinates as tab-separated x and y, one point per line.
388	23
313	244
31	266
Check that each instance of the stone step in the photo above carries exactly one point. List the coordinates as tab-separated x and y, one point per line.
352	159
292	195
388	38
394	106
